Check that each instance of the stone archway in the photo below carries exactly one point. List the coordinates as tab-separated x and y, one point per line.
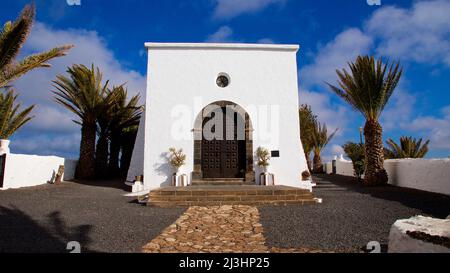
222	150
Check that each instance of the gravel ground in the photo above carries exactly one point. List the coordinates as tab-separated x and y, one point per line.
349	217
46	218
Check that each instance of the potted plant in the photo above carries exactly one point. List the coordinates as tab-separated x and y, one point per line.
266	178
11	118
306	176
177	160
263	158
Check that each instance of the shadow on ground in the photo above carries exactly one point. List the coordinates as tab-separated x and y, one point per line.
115	184
94	213
26	235
349	217
432	204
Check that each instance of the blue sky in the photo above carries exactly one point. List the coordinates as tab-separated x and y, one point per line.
111	33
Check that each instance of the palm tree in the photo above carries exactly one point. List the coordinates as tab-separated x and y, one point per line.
12	38
367	88
82	93
128	140
320	139
104	120
11	117
124	124
307	121
409	148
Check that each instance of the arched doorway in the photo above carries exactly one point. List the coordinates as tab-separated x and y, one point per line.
223	145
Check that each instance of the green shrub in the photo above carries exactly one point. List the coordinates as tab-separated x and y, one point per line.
355	151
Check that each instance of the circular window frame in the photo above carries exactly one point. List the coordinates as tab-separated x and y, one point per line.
223	74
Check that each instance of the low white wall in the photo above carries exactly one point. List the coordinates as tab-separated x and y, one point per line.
344	167
423	174
328	168
32	170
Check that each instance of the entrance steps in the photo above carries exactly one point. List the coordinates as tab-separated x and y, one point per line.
220	182
210	195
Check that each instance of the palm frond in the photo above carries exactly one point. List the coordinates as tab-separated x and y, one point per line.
368	86
320	137
82	92
12	37
127	113
14	34
12	118
408	148
13	72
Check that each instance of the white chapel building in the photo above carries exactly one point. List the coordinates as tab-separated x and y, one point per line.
219	103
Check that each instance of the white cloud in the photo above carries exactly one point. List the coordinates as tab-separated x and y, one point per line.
335	55
266	41
335	116
222	35
66	145
399	110
89	48
52	121
337	150
225	34
227	9
420	34
434	128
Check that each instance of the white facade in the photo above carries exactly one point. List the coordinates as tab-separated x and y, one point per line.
181	82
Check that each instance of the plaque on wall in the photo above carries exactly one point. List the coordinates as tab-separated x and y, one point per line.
275	153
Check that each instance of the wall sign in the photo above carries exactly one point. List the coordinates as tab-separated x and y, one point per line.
275	153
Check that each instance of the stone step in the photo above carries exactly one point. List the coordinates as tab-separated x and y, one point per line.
222	192
230	198
167	204
221	181
221	195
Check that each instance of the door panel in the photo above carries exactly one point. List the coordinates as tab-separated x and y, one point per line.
224	158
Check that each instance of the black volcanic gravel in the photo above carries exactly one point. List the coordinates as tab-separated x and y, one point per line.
350	215
96	214
45	218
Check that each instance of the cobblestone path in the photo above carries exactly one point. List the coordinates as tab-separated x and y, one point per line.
215	229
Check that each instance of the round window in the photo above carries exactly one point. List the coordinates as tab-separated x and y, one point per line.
222	80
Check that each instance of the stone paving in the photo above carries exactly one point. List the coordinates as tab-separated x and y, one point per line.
216	229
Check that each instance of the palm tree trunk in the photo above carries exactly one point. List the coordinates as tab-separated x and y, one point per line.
375	173
308	161
317	161
114	148
85	168
101	157
127	152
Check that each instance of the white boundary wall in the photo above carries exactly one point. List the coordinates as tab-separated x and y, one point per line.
32	170
423	174
344	167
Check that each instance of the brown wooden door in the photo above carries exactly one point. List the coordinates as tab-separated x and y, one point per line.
224	157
